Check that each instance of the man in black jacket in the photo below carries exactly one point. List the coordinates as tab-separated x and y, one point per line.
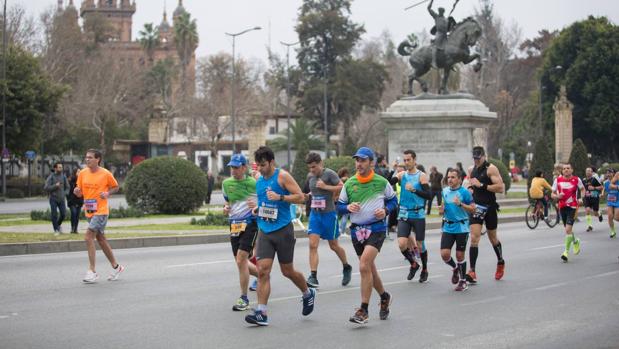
57	186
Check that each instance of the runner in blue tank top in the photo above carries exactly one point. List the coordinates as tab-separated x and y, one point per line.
412	215
611	188
276	190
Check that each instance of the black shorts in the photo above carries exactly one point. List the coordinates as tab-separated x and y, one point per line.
376	239
246	240
593	203
491	218
448	240
417	225
280	241
568	215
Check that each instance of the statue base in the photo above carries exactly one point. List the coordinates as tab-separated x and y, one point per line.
440	129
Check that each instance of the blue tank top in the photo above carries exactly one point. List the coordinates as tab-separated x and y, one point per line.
272	215
411	205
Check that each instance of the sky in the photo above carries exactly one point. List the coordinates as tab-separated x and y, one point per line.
278	18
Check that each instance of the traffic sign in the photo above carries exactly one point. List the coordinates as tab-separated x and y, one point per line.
30	154
5	153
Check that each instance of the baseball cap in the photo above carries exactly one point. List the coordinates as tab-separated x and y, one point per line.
237	160
610	170
364	153
478	152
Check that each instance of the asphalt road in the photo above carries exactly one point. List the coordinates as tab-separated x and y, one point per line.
181	297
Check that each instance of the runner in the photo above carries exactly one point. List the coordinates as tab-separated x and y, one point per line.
276	190
457	201
324	183
412	215
485	181
593	187
611	188
239	192
564	189
95	184
368	198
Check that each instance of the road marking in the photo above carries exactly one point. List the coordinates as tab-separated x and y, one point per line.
548	287
545	247
605	274
379	270
201	263
487	300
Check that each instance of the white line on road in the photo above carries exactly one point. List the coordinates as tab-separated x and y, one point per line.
548	247
604	274
547	287
201	263
379	270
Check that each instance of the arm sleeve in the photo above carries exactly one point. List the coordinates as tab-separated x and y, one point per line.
425	192
342	202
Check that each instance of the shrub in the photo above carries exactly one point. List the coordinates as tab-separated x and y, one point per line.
335	163
507	180
166	185
211	219
579	158
120	212
14	193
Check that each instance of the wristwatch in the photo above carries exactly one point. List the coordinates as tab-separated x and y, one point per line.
281	197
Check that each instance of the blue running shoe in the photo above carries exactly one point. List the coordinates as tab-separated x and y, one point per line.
254	285
308	302
257	318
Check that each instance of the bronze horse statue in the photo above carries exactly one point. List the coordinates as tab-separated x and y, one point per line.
463	35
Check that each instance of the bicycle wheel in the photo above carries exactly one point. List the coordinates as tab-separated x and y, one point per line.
531	217
553	216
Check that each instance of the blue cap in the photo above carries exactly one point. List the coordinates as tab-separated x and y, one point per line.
237	160
364	153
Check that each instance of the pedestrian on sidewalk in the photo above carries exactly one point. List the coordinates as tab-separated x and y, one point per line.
57	187
74	202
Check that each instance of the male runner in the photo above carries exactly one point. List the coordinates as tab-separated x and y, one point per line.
95	184
368	198
412	215
323	184
276	190
591	201
457	201
239	192
611	188
564	188
485	181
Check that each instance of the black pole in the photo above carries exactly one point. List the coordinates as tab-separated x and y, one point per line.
4	38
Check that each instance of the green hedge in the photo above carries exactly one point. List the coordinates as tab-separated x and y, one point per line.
507	180
335	163
166	185
211	219
120	212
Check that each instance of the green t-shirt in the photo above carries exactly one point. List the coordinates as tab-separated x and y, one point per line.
236	193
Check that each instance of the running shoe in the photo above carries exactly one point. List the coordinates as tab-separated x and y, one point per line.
254	285
347	274
500	270
576	249
240	305
471	277
589	228
115	273
412	271
359	317
312	282
600	218
455	276
90	277
462	286
612	234
257	318
384	307
308	302
423	277
564	256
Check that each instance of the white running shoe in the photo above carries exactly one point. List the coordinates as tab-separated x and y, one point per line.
115	273
90	277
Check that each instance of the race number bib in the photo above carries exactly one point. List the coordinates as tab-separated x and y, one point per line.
403	212
612	198
480	212
319	202
236	228
363	233
266	212
90	205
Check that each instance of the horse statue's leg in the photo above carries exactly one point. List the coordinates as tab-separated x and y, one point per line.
411	78
471	58
443	90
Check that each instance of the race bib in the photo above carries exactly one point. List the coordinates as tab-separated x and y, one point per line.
363	233
480	212
319	202
612	198
266	212
403	212
588	194
236	228
90	205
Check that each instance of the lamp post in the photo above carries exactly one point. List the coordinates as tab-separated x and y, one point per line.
4	39
233	85
541	89
288	93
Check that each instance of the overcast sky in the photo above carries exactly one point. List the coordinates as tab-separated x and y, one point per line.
278	18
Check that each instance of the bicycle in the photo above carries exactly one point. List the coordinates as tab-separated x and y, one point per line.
535	212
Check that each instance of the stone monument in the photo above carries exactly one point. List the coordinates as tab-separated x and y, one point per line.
563	127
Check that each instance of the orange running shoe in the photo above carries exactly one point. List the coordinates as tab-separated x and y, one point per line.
500	270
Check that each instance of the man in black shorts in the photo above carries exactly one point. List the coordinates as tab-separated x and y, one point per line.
591	201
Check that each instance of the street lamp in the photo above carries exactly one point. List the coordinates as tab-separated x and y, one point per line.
233	86
541	88
288	92
4	42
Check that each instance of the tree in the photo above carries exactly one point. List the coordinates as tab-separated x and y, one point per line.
542	160
579	158
149	39
587	52
186	40
299	168
31	97
302	134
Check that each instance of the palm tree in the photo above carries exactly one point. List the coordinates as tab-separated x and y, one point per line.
186	40
149	39
302	135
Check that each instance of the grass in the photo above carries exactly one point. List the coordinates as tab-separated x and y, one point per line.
13	216
516	195
170	226
43	237
19	221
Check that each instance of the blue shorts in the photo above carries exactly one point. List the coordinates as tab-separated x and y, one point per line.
97	224
324	224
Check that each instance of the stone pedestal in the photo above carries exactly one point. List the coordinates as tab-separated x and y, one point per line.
439	129
563	127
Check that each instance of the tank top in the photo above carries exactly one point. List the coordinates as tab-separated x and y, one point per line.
483	196
411	205
272	215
